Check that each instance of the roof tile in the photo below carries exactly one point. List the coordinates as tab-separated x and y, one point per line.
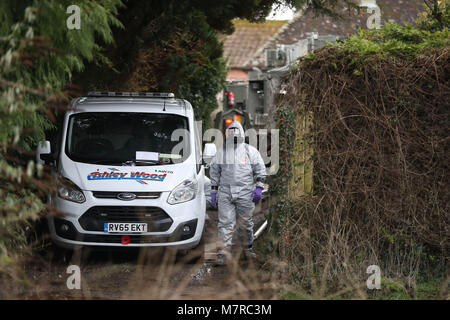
247	38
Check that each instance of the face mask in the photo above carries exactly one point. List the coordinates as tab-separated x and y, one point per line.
234	135
234	132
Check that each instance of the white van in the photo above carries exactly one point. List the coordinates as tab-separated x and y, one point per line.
132	172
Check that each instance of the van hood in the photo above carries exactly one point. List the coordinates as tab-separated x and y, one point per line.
92	177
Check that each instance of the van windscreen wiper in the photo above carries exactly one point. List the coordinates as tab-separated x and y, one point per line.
145	162
105	162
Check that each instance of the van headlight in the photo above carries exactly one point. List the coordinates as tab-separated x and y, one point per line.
68	190
185	191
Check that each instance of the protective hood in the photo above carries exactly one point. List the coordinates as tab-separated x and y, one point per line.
232	136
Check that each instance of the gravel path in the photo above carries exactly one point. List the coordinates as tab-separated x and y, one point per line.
143	274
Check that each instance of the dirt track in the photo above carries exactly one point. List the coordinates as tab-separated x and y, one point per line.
145	274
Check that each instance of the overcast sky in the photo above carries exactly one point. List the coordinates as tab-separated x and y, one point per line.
284	13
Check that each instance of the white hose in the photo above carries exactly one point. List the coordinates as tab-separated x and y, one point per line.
260	230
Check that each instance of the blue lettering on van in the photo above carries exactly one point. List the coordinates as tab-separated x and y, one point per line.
140	177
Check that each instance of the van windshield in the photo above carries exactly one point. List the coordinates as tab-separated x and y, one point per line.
121	138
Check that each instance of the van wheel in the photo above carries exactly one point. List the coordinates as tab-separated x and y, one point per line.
195	255
60	255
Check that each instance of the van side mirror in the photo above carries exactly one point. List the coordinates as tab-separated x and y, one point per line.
44	152
209	152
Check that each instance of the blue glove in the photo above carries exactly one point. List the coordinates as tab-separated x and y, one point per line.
213	200
257	194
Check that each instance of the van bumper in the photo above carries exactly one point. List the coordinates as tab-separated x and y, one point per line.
66	231
72	239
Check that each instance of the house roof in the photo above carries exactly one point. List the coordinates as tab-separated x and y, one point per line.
399	11
247	38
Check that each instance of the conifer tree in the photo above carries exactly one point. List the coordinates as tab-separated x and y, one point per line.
38	55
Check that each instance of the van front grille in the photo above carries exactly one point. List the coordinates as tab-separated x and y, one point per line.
114	194
156	218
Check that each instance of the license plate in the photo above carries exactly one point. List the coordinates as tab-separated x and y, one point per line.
111	227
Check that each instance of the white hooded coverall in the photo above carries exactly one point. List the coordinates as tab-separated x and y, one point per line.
234	171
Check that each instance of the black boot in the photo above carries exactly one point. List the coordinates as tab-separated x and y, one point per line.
249	253
223	256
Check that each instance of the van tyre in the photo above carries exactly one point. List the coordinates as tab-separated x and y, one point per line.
60	255
194	255
199	252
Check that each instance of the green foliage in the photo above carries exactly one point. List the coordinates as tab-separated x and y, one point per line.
331	8
165	46
222	13
436	17
336	83
394	40
195	69
38	54
422	289
294	295
173	46
281	209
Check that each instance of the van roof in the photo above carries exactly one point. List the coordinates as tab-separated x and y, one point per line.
132	104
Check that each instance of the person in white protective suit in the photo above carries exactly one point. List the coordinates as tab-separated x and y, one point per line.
237	179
